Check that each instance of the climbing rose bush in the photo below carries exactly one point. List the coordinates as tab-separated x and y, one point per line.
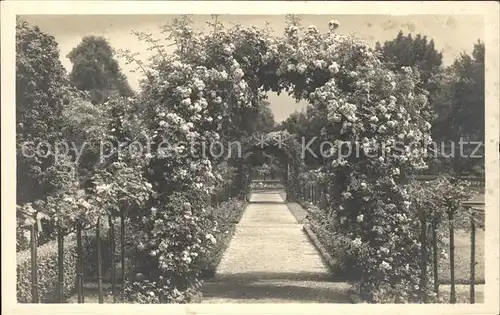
377	123
198	94
170	241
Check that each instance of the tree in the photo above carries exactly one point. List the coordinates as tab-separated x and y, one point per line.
462	95
296	123
95	69
307	126
416	52
264	120
40	81
420	54
467	118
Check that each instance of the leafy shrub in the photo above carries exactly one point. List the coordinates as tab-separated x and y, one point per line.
22	240
170	241
227	212
151	292
170	290
395	265
47	271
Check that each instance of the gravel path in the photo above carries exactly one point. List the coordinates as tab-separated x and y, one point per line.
271	260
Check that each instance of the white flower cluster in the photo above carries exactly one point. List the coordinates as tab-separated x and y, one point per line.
211	239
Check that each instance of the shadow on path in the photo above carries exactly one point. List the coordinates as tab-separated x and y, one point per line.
274	291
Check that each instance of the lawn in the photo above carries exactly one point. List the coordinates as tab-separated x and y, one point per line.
91	294
463	252
462	259
462	293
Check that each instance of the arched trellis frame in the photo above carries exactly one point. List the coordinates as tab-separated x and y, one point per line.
203	91
285	147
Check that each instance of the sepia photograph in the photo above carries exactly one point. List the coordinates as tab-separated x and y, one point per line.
250	157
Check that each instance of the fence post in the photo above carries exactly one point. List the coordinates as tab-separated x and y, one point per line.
99	260
34	264
325	193
313	191
122	241
453	297
435	256
423	258
316	193
472	258
79	268
320	193
60	262
112	250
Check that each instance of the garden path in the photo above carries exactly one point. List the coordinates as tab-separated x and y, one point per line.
271	260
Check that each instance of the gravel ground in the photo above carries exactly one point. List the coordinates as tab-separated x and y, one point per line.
271	260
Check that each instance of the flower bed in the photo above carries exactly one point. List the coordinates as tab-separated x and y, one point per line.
428	202
266	186
227	215
335	244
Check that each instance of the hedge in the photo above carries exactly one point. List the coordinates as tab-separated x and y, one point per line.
47	271
47	262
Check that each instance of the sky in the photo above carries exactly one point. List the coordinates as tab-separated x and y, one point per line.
452	34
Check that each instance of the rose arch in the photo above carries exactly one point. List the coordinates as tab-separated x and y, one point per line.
198	92
282	145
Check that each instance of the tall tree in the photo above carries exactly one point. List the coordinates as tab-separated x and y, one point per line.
308	128
264	120
40	77
462	94
418	52
295	123
95	69
251	119
467	118
40	82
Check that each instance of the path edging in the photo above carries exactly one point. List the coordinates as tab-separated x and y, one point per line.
327	258
211	272
329	261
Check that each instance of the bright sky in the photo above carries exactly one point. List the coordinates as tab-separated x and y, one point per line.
452	34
